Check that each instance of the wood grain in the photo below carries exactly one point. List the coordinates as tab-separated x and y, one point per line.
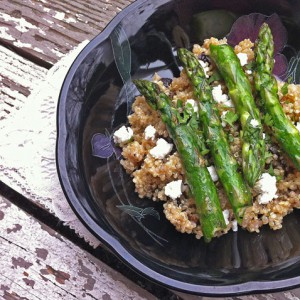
18	78
38	263
45	30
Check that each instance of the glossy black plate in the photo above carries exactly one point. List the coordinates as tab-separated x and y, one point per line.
96	98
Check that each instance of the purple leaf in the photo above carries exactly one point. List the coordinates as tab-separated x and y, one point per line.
247	27
278	31
102	145
280	66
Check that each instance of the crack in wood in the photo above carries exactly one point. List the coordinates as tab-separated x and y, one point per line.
58	275
23	53
63	289
101	253
21	287
12	243
88	294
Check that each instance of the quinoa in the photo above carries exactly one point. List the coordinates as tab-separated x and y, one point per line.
291	101
151	175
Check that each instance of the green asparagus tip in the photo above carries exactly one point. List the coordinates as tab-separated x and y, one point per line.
182	53
264	29
265	39
149	90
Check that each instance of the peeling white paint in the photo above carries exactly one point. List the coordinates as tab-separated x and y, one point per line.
21	24
15	68
59	15
81	17
290	296
38	50
7	92
65	272
57	53
59	25
71	20
21	44
49	21
42	32
4	35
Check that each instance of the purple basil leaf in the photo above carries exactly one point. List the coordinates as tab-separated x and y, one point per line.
247	27
278	31
102	145
280	66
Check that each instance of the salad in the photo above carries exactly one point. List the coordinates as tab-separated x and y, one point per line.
219	145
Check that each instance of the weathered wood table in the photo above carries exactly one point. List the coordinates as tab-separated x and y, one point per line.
40	257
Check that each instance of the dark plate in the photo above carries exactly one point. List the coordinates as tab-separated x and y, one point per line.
96	98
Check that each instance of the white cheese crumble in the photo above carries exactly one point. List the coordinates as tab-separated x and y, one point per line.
243	57
229	103
248	72
254	123
174	189
235	225
298	126
222	118
213	173
217	93
161	149
264	136
193	103
205	67
122	135
221	98
150	132
266	186
226	216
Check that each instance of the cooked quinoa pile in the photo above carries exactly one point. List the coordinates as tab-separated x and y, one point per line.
155	173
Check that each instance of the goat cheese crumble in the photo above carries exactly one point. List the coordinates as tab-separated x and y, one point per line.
243	57
205	67
223	115
213	173
228	103
221	98
150	132
266	187
226	216
193	103
161	149
254	123
122	135
173	189
298	126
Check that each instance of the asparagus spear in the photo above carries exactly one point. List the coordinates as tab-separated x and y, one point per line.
253	149
237	191
282	128
197	175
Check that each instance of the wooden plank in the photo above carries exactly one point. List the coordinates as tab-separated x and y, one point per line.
46	30
18	78
37	263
